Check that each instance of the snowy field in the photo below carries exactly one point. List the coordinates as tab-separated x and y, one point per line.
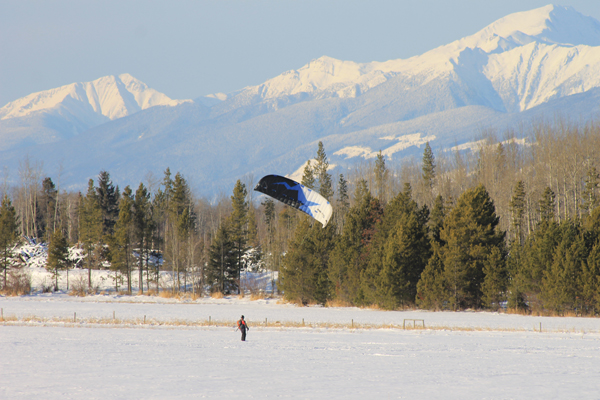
176	355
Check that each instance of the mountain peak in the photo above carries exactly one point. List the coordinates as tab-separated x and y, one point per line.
550	24
110	96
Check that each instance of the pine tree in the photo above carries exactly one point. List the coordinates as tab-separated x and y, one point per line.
47	204
560	282
348	259
238	225
124	238
591	196
590	281
381	176
547	205
495	279
428	167
142	223
90	227
470	234
324	184
436	220
9	234
431	288
108	200
343	202
58	254
398	253
221	273
517	209
304	276
308	177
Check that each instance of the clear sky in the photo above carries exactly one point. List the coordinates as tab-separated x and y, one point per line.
188	49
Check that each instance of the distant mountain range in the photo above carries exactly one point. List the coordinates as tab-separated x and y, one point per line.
523	67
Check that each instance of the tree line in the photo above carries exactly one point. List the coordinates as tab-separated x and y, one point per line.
512	222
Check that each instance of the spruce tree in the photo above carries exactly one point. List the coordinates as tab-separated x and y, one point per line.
47	208
436	220
591	195
308	177
238	225
381	177
124	238
349	256
324	184
221	273
9	235
470	232
517	209
560	284
590	281
90	227
142	223
495	279
547	205
108	200
58	254
431	288
428	167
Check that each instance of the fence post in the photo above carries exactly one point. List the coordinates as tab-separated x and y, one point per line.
352	323
2	313
74	317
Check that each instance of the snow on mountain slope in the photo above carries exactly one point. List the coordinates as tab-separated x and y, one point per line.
110	96
526	46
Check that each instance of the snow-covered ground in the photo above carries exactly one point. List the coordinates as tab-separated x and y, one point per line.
43	354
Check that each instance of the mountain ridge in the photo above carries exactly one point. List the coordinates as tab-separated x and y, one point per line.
498	77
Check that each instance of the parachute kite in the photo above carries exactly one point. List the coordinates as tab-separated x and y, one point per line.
296	195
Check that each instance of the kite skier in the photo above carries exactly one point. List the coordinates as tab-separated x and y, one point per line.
242	326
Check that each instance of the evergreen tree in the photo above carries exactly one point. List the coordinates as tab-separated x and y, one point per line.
324	184
591	198
9	234
547	205
470	234
361	191
221	273
431	288
343	202
308	177
142	223
90	227
560	282
108	200
428	167
124	238
398	253
495	279
238	225
436	220
349	257
531	264
304	276
590	282
381	176
58	255
47	205
517	209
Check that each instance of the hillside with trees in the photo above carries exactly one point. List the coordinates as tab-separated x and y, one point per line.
514	224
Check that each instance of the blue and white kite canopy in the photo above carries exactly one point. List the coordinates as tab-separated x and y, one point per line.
296	195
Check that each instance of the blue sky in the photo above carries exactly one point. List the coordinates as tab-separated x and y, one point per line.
188	49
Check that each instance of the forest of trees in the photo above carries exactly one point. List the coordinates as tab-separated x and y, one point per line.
513	223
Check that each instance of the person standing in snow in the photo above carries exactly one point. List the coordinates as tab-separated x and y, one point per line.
242	326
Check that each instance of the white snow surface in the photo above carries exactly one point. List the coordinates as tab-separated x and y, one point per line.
506	359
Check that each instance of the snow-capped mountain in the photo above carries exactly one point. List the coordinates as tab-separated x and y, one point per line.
74	108
526	65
